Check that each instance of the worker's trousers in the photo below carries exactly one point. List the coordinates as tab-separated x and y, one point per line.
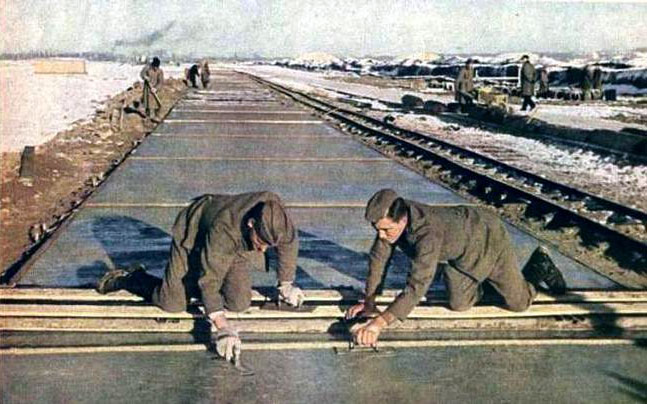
464	291
180	283
528	102
147	96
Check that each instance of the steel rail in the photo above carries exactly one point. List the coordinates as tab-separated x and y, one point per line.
485	183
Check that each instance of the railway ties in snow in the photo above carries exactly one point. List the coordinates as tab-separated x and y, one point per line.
601	227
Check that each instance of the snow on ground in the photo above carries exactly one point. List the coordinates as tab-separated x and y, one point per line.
322	80
584	116
626	89
581	168
590	116
35	107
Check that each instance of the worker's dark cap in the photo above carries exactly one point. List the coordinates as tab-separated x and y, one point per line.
156	61
524	57
274	226
378	206
469	61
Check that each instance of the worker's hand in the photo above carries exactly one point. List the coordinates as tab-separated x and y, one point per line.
153	90
368	334
366	308
290	294
227	343
355	310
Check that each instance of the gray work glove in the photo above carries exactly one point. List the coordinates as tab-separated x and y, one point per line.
228	343
290	294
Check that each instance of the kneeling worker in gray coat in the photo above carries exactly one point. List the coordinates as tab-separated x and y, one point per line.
215	241
472	240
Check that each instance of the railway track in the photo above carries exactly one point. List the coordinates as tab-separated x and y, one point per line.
604	234
465	120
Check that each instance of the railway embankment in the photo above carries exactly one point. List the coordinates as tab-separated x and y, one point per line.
69	167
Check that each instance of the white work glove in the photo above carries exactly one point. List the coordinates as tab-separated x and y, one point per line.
228	343
290	294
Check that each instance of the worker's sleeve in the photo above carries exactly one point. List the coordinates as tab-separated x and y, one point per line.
161	80
460	79
378	257
423	269
287	257
144	73
527	73
216	258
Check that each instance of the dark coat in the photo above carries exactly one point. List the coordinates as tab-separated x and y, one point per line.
471	239
528	78
464	82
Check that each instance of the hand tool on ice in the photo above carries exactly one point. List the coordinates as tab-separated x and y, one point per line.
244	370
235	363
276	305
351	326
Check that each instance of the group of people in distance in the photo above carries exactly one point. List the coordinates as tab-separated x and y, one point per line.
202	70
218	239
153	77
464	84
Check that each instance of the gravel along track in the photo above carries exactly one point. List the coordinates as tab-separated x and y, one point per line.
626	266
606	176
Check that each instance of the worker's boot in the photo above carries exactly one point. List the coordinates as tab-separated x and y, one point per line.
540	269
118	279
112	281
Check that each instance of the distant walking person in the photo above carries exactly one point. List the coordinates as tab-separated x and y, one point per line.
205	73
153	77
528	77
465	85
192	75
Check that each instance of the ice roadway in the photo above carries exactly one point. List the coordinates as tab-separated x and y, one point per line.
236	139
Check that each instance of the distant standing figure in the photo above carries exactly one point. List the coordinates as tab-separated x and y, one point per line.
597	79
193	74
153	77
528	77
465	84
597	84
543	83
205	74
587	82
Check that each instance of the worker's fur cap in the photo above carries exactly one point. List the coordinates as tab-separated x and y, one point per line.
379	204
275	226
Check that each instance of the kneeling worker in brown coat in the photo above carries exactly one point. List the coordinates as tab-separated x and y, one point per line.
215	241
472	240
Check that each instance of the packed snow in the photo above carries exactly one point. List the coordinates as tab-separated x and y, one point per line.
582	116
35	107
582	168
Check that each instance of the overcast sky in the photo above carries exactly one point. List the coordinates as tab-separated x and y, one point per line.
273	28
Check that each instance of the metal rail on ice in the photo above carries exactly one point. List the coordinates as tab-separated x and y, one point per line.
487	187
